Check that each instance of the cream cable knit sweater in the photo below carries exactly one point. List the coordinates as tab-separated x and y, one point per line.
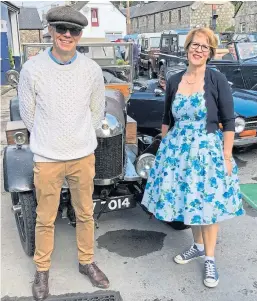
61	105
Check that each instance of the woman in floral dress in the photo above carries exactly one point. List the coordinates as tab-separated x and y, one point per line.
194	177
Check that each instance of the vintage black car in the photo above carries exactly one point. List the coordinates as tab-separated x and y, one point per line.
239	66
122	158
146	106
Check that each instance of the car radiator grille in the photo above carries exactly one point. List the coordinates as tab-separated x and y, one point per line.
109	157
251	123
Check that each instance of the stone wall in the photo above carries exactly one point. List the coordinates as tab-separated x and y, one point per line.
174	19
198	14
162	21
143	24
201	15
246	18
31	36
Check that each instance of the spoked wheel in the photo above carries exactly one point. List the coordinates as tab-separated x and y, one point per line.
24	207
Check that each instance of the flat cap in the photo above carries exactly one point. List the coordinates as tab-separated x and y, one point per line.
66	15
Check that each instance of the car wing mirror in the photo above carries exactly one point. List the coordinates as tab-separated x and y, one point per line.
158	92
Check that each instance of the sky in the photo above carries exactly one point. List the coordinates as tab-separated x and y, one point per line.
40	5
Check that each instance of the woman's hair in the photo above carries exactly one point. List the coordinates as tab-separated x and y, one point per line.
212	39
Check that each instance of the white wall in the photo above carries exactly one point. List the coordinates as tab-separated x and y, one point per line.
15	34
109	17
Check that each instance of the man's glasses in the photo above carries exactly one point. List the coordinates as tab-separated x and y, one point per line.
204	48
62	29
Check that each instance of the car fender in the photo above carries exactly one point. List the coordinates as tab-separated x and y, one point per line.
14	109
18	169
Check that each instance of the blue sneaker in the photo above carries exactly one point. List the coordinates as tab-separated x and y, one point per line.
189	255
211	278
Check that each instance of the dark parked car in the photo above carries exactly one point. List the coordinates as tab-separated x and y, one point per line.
149	54
240	68
146	106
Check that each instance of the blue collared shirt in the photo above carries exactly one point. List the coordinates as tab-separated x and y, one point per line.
59	62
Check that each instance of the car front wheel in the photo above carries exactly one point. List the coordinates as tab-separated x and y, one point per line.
178	225
25	217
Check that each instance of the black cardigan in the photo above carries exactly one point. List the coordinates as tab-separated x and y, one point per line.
218	96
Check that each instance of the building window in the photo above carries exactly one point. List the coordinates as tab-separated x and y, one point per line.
243	27
147	21
169	16
94	17
137	22
179	16
161	19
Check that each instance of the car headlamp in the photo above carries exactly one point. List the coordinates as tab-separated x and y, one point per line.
144	164
239	125
109	127
19	138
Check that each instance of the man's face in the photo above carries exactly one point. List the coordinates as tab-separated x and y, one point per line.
65	37
231	49
162	83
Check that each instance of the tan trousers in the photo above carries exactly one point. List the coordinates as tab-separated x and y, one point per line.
48	179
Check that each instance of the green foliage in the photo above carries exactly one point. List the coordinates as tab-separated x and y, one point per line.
231	28
11	60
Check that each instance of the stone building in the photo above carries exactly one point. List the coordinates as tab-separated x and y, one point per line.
30	27
246	17
163	15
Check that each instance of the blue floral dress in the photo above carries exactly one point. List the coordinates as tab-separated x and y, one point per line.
189	181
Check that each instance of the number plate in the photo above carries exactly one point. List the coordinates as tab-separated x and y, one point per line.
114	204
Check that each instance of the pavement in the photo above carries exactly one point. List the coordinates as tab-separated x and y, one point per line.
137	252
5	89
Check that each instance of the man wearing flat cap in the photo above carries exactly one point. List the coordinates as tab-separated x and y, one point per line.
62	102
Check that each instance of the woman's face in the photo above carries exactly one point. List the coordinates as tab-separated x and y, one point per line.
199	50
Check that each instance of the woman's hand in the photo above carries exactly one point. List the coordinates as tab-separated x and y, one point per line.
229	166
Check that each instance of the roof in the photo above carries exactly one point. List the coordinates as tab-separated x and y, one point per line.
133	10
157	7
11	6
79	5
29	19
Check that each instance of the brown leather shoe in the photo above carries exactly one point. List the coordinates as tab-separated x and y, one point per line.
96	276
40	289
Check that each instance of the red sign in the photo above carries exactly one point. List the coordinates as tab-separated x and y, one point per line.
94	17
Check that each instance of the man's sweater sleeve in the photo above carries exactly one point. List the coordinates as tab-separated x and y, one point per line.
97	104
226	104
27	100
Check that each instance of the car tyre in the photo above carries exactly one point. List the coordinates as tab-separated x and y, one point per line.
151	73
26	221
176	225
141	71
161	70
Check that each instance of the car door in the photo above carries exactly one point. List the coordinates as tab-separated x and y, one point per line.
232	70
144	53
249	73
